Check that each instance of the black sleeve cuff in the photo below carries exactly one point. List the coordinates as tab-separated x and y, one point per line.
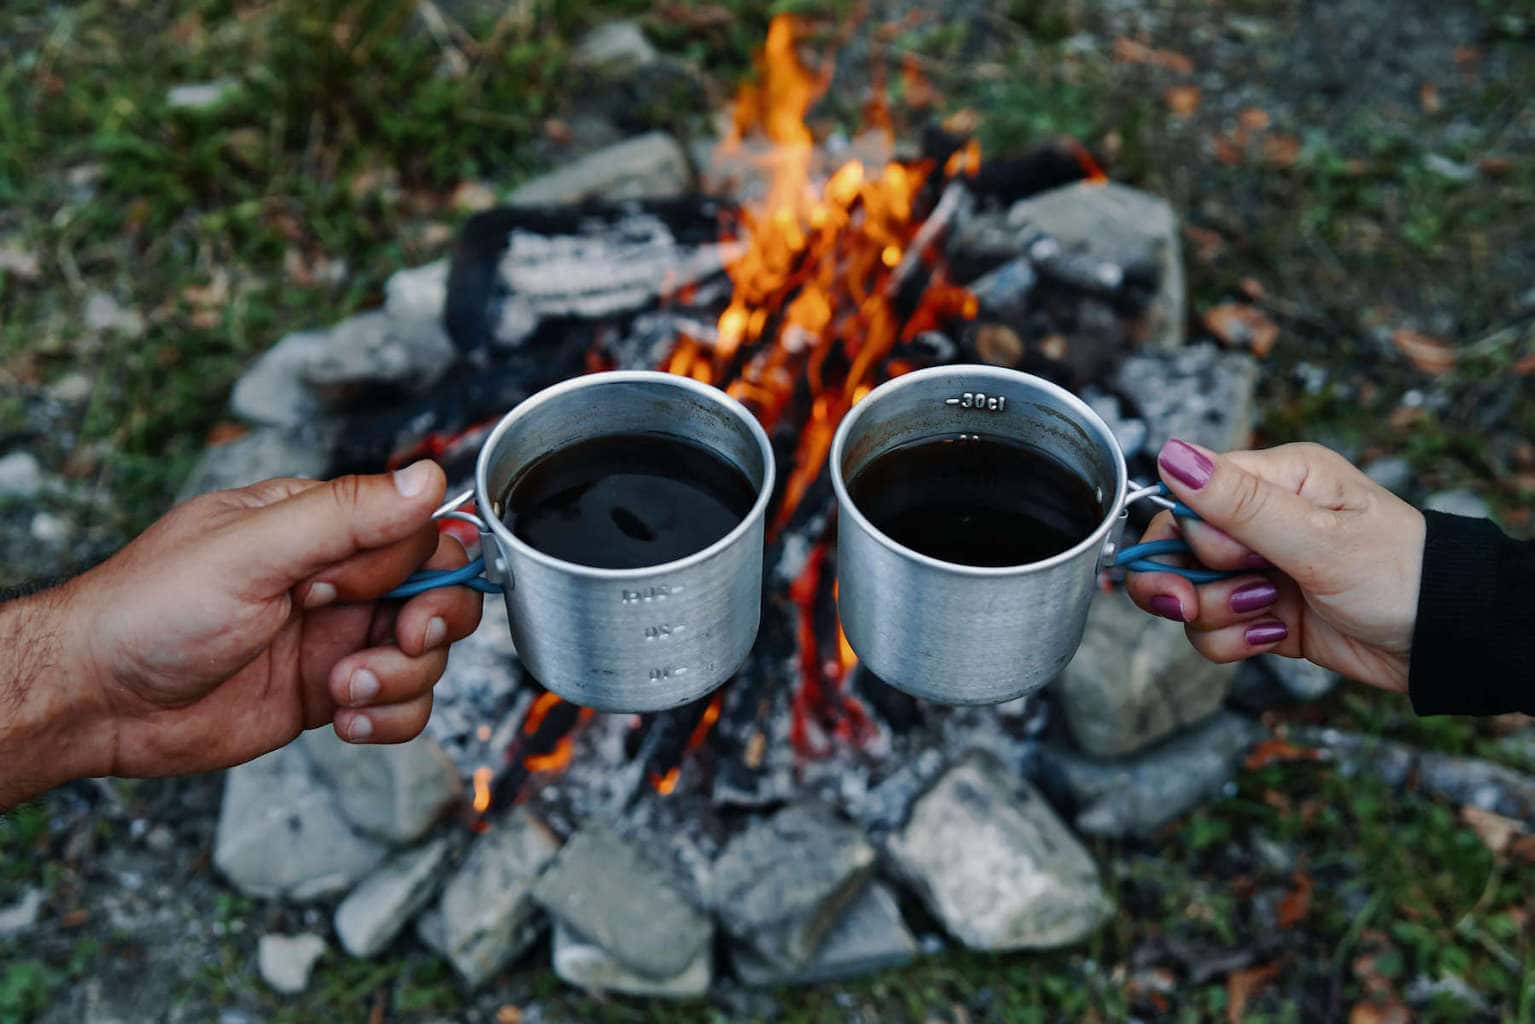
1474	641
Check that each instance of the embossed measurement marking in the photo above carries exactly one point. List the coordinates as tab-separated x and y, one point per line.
662	632
979	400
646	594
667	672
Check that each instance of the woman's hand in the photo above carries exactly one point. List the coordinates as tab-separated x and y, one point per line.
1335	560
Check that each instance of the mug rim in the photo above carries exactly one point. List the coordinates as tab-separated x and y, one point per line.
707	392
1079	407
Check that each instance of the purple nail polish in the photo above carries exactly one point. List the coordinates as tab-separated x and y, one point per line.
1265	633
1254	596
1257	561
1186	464
1168	607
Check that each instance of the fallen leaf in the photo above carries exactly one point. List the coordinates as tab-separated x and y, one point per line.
1242	326
1182	100
1254	119
1276	750
1281	150
509	1015
1467	56
473	196
1296	903
1427	353
1131	51
1525	366
1240	986
1369	1013
1496	832
214	293
1208	244
1226	150
19	262
1428	98
1252	288
75	918
1495	166
1404	416
225	431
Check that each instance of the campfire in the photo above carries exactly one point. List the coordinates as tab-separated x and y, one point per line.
804	274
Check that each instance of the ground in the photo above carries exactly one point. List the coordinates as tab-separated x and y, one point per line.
1360	174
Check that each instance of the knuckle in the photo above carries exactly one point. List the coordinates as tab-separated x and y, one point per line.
347	491
1246	499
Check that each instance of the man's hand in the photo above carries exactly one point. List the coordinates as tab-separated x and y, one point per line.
239	620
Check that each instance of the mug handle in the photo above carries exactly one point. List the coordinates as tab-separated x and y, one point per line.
422	580
1141	557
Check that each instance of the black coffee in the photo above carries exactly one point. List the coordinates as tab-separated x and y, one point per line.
627	501
976	500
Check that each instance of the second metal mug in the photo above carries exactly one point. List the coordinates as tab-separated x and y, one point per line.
628	639
963	634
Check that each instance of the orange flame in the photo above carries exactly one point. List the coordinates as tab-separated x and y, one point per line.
814	282
558	757
482	777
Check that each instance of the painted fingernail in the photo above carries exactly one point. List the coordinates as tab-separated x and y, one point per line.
1168	607
1265	633
320	595
362	688
1256	561
412	480
1254	596
359	728
1186	464
436	633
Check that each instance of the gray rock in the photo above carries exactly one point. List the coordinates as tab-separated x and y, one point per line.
281	832
1299	678
271	391
487	911
396	791
418	293
1200	394
783	884
1519	747
1358	754
1255	690
590	966
870	937
650	166
1394	473
51	530
18	918
71	388
1125	226
262	454
993	862
201	95
286	961
607	893
429	929
103	314
373	351
1138	795
1134	680
1459	780
21	476
1470	780
616	47
374	912
1458	503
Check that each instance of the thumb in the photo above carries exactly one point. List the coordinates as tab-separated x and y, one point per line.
298	536
1273	520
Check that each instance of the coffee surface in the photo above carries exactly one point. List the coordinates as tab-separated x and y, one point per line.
627	501
976	500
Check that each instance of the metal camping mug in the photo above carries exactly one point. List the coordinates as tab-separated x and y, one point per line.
627	639
963	634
